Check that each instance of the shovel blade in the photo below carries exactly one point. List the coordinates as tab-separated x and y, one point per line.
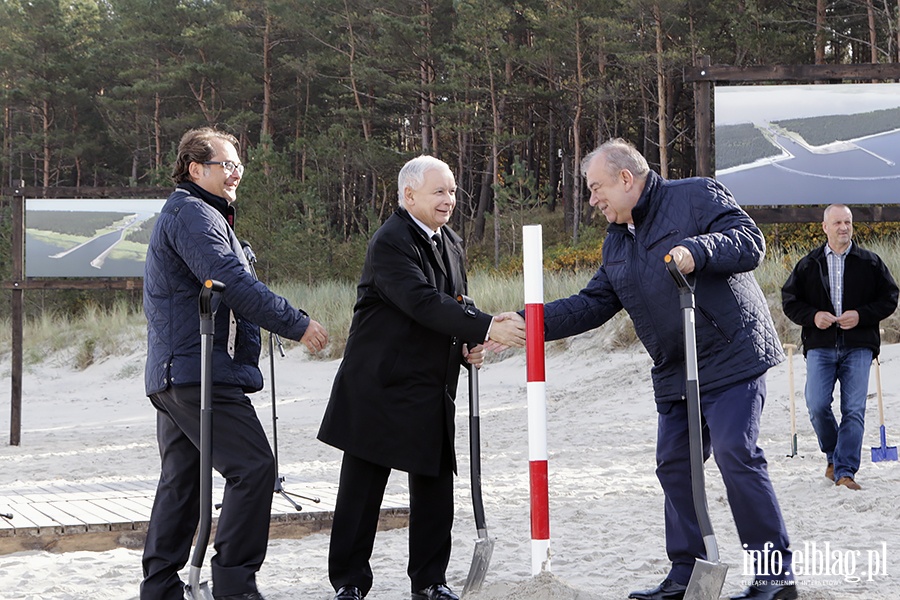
484	548
201	593
707	580
884	453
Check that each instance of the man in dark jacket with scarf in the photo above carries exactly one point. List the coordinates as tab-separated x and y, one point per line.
838	294
392	402
712	240
193	241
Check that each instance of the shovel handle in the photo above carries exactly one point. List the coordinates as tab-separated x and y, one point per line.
475	450
694	415
878	388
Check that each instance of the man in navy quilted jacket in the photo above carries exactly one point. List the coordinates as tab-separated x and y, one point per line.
193	241
713	240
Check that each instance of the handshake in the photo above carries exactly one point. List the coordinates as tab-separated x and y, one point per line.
507	331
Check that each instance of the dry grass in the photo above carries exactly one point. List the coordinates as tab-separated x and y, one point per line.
99	333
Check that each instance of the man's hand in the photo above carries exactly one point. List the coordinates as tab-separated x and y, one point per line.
848	320
475	356
683	258
315	338
824	319
507	331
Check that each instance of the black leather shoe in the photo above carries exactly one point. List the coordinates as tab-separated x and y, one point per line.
349	592
437	591
250	596
667	590
763	591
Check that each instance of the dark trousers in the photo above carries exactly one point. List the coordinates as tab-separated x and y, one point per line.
731	427
241	453
356	514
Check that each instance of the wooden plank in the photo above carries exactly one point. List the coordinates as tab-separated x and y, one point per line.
69	522
809	73
814	214
26	517
7	524
75	193
135	511
108	283
98	514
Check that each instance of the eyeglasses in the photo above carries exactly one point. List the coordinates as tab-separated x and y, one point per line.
228	166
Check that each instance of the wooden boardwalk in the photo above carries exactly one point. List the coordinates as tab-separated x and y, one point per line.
102	516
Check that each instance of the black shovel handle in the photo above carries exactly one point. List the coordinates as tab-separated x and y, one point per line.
695	423
475	449
210	295
474	433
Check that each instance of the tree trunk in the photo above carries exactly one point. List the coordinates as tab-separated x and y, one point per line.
873	38
552	168
576	135
820	31
265	128
351	55
46	121
661	96
484	198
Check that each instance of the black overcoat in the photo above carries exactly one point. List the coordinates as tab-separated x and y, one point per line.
393	398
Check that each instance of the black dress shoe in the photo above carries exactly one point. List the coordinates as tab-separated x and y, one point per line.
763	591
250	596
667	590
437	591
349	592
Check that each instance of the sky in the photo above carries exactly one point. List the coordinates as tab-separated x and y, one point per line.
758	103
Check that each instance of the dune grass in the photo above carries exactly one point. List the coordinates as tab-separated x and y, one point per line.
98	333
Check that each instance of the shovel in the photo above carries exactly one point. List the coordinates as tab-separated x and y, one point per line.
209	301
790	349
884	452
484	545
708	576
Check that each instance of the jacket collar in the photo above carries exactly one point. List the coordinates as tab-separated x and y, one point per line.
446	232
645	203
217	202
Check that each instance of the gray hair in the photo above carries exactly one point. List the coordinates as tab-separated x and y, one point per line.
619	154
412	175
835	206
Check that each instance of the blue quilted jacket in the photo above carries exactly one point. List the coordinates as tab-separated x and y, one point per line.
192	242
736	339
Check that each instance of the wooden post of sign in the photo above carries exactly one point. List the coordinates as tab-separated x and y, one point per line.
703	123
17	306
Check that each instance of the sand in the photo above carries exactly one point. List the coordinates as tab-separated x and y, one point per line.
606	507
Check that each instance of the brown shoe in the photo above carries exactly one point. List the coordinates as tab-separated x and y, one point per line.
848	482
829	472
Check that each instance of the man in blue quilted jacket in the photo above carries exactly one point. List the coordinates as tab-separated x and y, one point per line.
713	240
193	241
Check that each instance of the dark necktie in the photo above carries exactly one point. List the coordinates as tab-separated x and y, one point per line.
439	244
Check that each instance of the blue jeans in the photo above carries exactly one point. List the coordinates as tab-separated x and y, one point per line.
842	444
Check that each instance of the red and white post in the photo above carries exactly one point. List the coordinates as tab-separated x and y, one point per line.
533	258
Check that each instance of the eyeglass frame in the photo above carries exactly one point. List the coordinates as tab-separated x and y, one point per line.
239	167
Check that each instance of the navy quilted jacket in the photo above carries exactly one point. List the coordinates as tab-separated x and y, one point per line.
192	242
736	338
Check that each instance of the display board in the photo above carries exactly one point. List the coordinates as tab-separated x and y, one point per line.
809	144
88	238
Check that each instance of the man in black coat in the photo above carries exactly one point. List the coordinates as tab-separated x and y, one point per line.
392	403
839	293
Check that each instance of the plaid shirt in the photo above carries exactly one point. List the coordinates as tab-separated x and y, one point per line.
836	276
